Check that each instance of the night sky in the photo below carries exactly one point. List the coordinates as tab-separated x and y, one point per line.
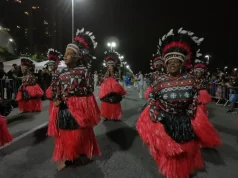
137	26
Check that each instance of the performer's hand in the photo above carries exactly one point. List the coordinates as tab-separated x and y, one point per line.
57	103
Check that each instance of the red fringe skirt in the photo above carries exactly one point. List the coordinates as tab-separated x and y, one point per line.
5	136
31	105
147	92
176	160
204	98
111	110
69	144
49	95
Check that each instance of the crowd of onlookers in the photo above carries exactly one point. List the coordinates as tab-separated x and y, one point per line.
222	86
10	81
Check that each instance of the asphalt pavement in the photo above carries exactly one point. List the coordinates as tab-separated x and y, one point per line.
123	153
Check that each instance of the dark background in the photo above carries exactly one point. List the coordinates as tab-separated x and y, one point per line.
135	25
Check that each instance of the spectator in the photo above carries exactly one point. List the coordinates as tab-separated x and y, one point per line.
233	96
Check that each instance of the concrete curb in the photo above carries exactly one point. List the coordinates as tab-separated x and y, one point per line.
29	138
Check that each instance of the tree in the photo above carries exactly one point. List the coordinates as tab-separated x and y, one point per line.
6	55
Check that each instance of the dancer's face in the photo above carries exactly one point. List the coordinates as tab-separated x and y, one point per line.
52	67
174	66
70	57
198	73
23	69
158	66
110	67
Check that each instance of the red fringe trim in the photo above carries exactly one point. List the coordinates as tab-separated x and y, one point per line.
32	105
49	92
204	97
70	144
51	107
208	135
111	110
5	136
147	92
111	86
84	109
175	160
34	91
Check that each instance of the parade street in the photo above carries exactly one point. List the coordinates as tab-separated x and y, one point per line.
123	153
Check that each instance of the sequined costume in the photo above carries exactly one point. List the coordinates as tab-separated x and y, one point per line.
5	109
171	124
111	91
72	122
30	93
52	65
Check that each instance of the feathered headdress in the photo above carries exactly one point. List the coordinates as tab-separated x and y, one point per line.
112	58
26	61
156	60
181	44
53	57
200	65
84	45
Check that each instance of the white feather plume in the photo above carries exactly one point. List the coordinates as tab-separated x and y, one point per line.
180	29
200	40
198	54
170	32
160	43
183	32
198	61
190	33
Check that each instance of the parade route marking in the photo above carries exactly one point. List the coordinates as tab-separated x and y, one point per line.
25	134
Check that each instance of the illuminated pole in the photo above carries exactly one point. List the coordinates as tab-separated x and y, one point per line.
73	20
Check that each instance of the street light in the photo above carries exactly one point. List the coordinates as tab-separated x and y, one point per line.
121	58
127	66
73	20
11	40
111	45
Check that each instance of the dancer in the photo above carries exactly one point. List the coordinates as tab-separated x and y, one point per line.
171	125
74	115
52	65
30	93
200	71
111	92
158	66
5	109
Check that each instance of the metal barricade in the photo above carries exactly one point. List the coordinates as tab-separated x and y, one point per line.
220	92
9	88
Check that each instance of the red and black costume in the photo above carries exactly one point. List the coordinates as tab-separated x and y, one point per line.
5	109
30	93
52	65
157	64
200	70
111	92
72	122
172	125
